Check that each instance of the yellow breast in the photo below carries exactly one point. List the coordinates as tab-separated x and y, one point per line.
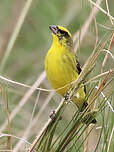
60	66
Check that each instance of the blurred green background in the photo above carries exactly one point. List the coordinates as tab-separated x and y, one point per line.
34	38
26	60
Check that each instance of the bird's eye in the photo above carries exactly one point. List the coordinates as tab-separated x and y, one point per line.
63	32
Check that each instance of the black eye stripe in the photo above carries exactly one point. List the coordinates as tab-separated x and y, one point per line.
63	32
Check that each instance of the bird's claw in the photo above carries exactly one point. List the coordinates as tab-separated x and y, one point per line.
52	115
66	96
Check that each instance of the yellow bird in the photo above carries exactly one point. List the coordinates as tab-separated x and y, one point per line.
62	66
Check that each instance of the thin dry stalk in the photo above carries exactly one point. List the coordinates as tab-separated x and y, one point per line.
30	122
15	33
6	150
109	143
105	60
15	83
86	70
70	137
86	143
101	72
6	32
44	128
24	100
85	27
111	71
33	111
9	143
90	144
33	123
107	54
109	13
102	84
13	136
86	146
10	82
89	61
101	9
89	138
96	31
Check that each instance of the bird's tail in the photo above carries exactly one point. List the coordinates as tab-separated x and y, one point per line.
89	116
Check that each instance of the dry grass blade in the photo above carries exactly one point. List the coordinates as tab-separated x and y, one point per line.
43	130
4	125
109	143
85	27
33	123
9	143
102	10
15	83
15	33
6	32
86	70
107	54
13	136
99	76
71	135
24	100
109	13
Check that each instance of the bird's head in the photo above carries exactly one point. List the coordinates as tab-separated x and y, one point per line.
61	36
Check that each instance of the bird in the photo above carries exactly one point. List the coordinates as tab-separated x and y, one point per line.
63	68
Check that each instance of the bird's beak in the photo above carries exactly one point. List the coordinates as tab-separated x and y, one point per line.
54	29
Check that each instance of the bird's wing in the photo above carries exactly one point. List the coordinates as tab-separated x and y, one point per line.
78	66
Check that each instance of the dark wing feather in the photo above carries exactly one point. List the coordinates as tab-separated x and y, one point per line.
78	66
85	104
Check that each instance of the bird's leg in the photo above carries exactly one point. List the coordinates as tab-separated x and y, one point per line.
66	96
52	115
89	117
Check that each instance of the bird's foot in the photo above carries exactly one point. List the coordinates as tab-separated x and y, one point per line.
89	117
52	116
66	96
